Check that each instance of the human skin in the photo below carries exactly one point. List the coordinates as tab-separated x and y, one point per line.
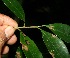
7	29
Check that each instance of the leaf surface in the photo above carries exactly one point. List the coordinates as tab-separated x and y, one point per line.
19	53
61	30
55	45
29	47
16	8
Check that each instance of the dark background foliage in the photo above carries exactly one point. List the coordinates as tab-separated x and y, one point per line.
40	12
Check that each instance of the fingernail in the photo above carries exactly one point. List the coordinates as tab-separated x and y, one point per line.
9	31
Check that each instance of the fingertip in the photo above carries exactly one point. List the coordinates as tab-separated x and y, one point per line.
12	40
5	50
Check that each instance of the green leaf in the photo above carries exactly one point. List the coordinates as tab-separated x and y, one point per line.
55	45
19	53
15	7
61	30
29	47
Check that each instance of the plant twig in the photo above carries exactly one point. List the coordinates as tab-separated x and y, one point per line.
32	26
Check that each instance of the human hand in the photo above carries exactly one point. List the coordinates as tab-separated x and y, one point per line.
7	29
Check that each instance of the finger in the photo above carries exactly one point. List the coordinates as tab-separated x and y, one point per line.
12	40
9	31
6	20
5	50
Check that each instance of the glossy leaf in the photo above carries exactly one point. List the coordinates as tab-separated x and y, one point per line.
15	7
55	45
29	47
61	30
